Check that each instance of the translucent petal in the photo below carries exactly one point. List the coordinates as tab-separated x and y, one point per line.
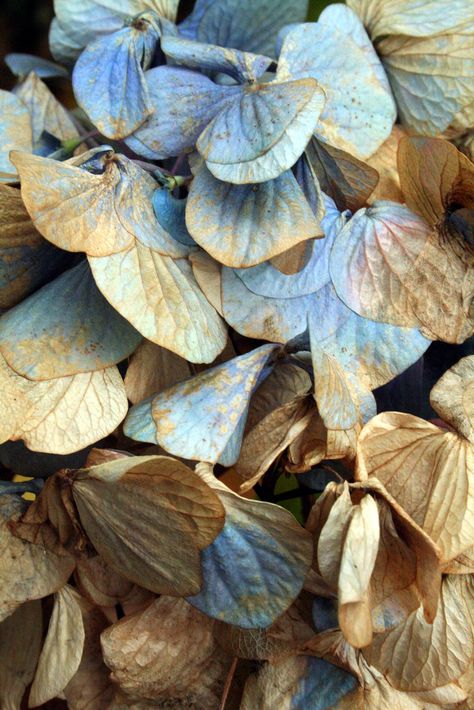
430	79
388	264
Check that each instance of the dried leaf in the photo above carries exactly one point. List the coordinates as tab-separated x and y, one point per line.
20	642
384	160
62	649
149	518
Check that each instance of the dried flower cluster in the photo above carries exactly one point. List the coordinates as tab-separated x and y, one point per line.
247	225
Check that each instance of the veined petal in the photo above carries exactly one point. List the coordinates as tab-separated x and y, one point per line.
242	225
184	103
15	132
259	135
242	66
162	299
109	80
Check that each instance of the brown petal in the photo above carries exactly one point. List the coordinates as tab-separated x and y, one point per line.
27	571
167	653
20	641
452	397
418	656
149	517
62	649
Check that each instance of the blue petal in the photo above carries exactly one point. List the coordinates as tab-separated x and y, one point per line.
322	686
22	64
242	66
184	102
170	213
256	566
109	80
139	424
196	419
65	328
249	25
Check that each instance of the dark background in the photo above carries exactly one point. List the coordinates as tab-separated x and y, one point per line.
24	28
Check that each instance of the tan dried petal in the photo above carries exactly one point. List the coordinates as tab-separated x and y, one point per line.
153	369
27	571
331	538
430	473
149	517
46	113
418	656
384	160
20	642
62	649
167	653
452	397
105	587
357	563
90	688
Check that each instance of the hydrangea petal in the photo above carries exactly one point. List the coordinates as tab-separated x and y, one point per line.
22	64
359	112
184	103
242	66
252	596
46	113
388	264
242	225
170	213
99	212
139	424
64	414
331	390
452	397
65	328
27	260
109	80
163	301
412	18
259	136
15	132
299	683
431	79
195	419
249	25
79	22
